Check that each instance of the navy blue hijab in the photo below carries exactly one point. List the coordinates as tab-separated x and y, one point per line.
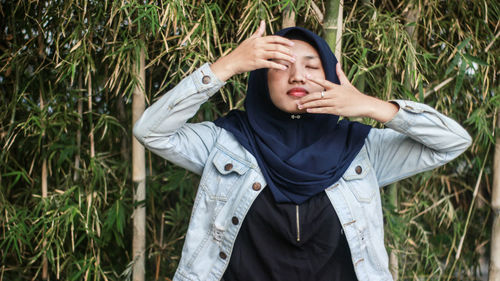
298	157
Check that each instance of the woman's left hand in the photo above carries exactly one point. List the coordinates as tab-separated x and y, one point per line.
345	100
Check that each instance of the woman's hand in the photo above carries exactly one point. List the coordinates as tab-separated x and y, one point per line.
255	52
346	100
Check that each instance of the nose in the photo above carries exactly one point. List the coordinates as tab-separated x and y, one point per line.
297	74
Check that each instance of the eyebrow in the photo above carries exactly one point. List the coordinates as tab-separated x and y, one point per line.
311	57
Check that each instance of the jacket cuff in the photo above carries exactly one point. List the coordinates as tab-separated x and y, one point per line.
206	81
406	112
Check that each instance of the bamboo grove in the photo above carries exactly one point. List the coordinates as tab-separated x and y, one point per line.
68	70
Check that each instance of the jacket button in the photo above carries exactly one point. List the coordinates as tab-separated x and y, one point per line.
228	166
206	79
256	186
222	255
358	170
235	220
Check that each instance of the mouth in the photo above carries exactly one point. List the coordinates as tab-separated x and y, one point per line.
297	92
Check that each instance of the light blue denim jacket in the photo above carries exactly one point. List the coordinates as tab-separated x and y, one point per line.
417	139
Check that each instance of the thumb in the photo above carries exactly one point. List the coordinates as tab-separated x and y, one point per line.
261	30
342	78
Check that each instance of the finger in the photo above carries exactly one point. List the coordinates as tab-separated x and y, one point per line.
322	82
261	30
342	78
315	104
278	40
278	48
271	65
324	110
310	97
279	56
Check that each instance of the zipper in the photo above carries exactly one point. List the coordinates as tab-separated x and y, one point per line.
298	222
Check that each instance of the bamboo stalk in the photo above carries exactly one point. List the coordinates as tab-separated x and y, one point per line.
494	270
332	26
45	266
158	258
288	16
91	134
317	12
76	175
139	177
411	17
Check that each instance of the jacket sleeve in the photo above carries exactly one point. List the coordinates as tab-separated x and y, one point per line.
162	128
418	139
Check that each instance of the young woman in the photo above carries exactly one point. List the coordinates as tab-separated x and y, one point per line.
287	191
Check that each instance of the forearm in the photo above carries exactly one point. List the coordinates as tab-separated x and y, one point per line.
429	127
379	110
175	107
418	139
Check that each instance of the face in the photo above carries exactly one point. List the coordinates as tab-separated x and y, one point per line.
287	86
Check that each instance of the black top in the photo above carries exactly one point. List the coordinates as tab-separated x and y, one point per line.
284	241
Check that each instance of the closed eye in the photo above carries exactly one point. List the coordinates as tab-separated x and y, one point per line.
282	62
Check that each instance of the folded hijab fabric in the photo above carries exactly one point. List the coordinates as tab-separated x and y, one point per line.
299	157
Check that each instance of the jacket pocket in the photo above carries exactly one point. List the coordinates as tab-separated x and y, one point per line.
357	178
224	174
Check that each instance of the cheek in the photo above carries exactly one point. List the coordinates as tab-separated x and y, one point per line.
318	74
276	81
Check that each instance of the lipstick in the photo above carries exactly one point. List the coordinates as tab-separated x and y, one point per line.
297	92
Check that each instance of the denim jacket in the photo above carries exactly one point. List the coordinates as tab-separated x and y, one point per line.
417	139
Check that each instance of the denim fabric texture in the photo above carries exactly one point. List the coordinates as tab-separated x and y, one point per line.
417	139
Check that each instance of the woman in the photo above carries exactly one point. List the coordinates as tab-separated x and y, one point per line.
289	192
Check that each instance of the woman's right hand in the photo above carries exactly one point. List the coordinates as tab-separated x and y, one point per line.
255	52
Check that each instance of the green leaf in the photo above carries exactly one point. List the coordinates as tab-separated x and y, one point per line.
477	60
452	65
421	91
460	78
464	43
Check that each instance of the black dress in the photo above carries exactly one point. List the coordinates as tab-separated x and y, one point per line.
289	242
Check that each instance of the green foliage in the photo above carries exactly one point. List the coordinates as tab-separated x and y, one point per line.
54	52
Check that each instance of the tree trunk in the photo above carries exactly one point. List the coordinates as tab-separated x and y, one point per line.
333	26
494	273
288	16
139	176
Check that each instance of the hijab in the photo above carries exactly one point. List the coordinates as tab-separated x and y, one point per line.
298	157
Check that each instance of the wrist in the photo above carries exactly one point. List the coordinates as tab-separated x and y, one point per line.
222	69
382	111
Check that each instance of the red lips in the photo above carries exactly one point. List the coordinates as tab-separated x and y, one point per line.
297	92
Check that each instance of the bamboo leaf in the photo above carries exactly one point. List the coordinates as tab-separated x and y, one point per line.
460	78
477	60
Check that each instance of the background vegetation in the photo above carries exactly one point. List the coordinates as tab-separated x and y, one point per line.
66	79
